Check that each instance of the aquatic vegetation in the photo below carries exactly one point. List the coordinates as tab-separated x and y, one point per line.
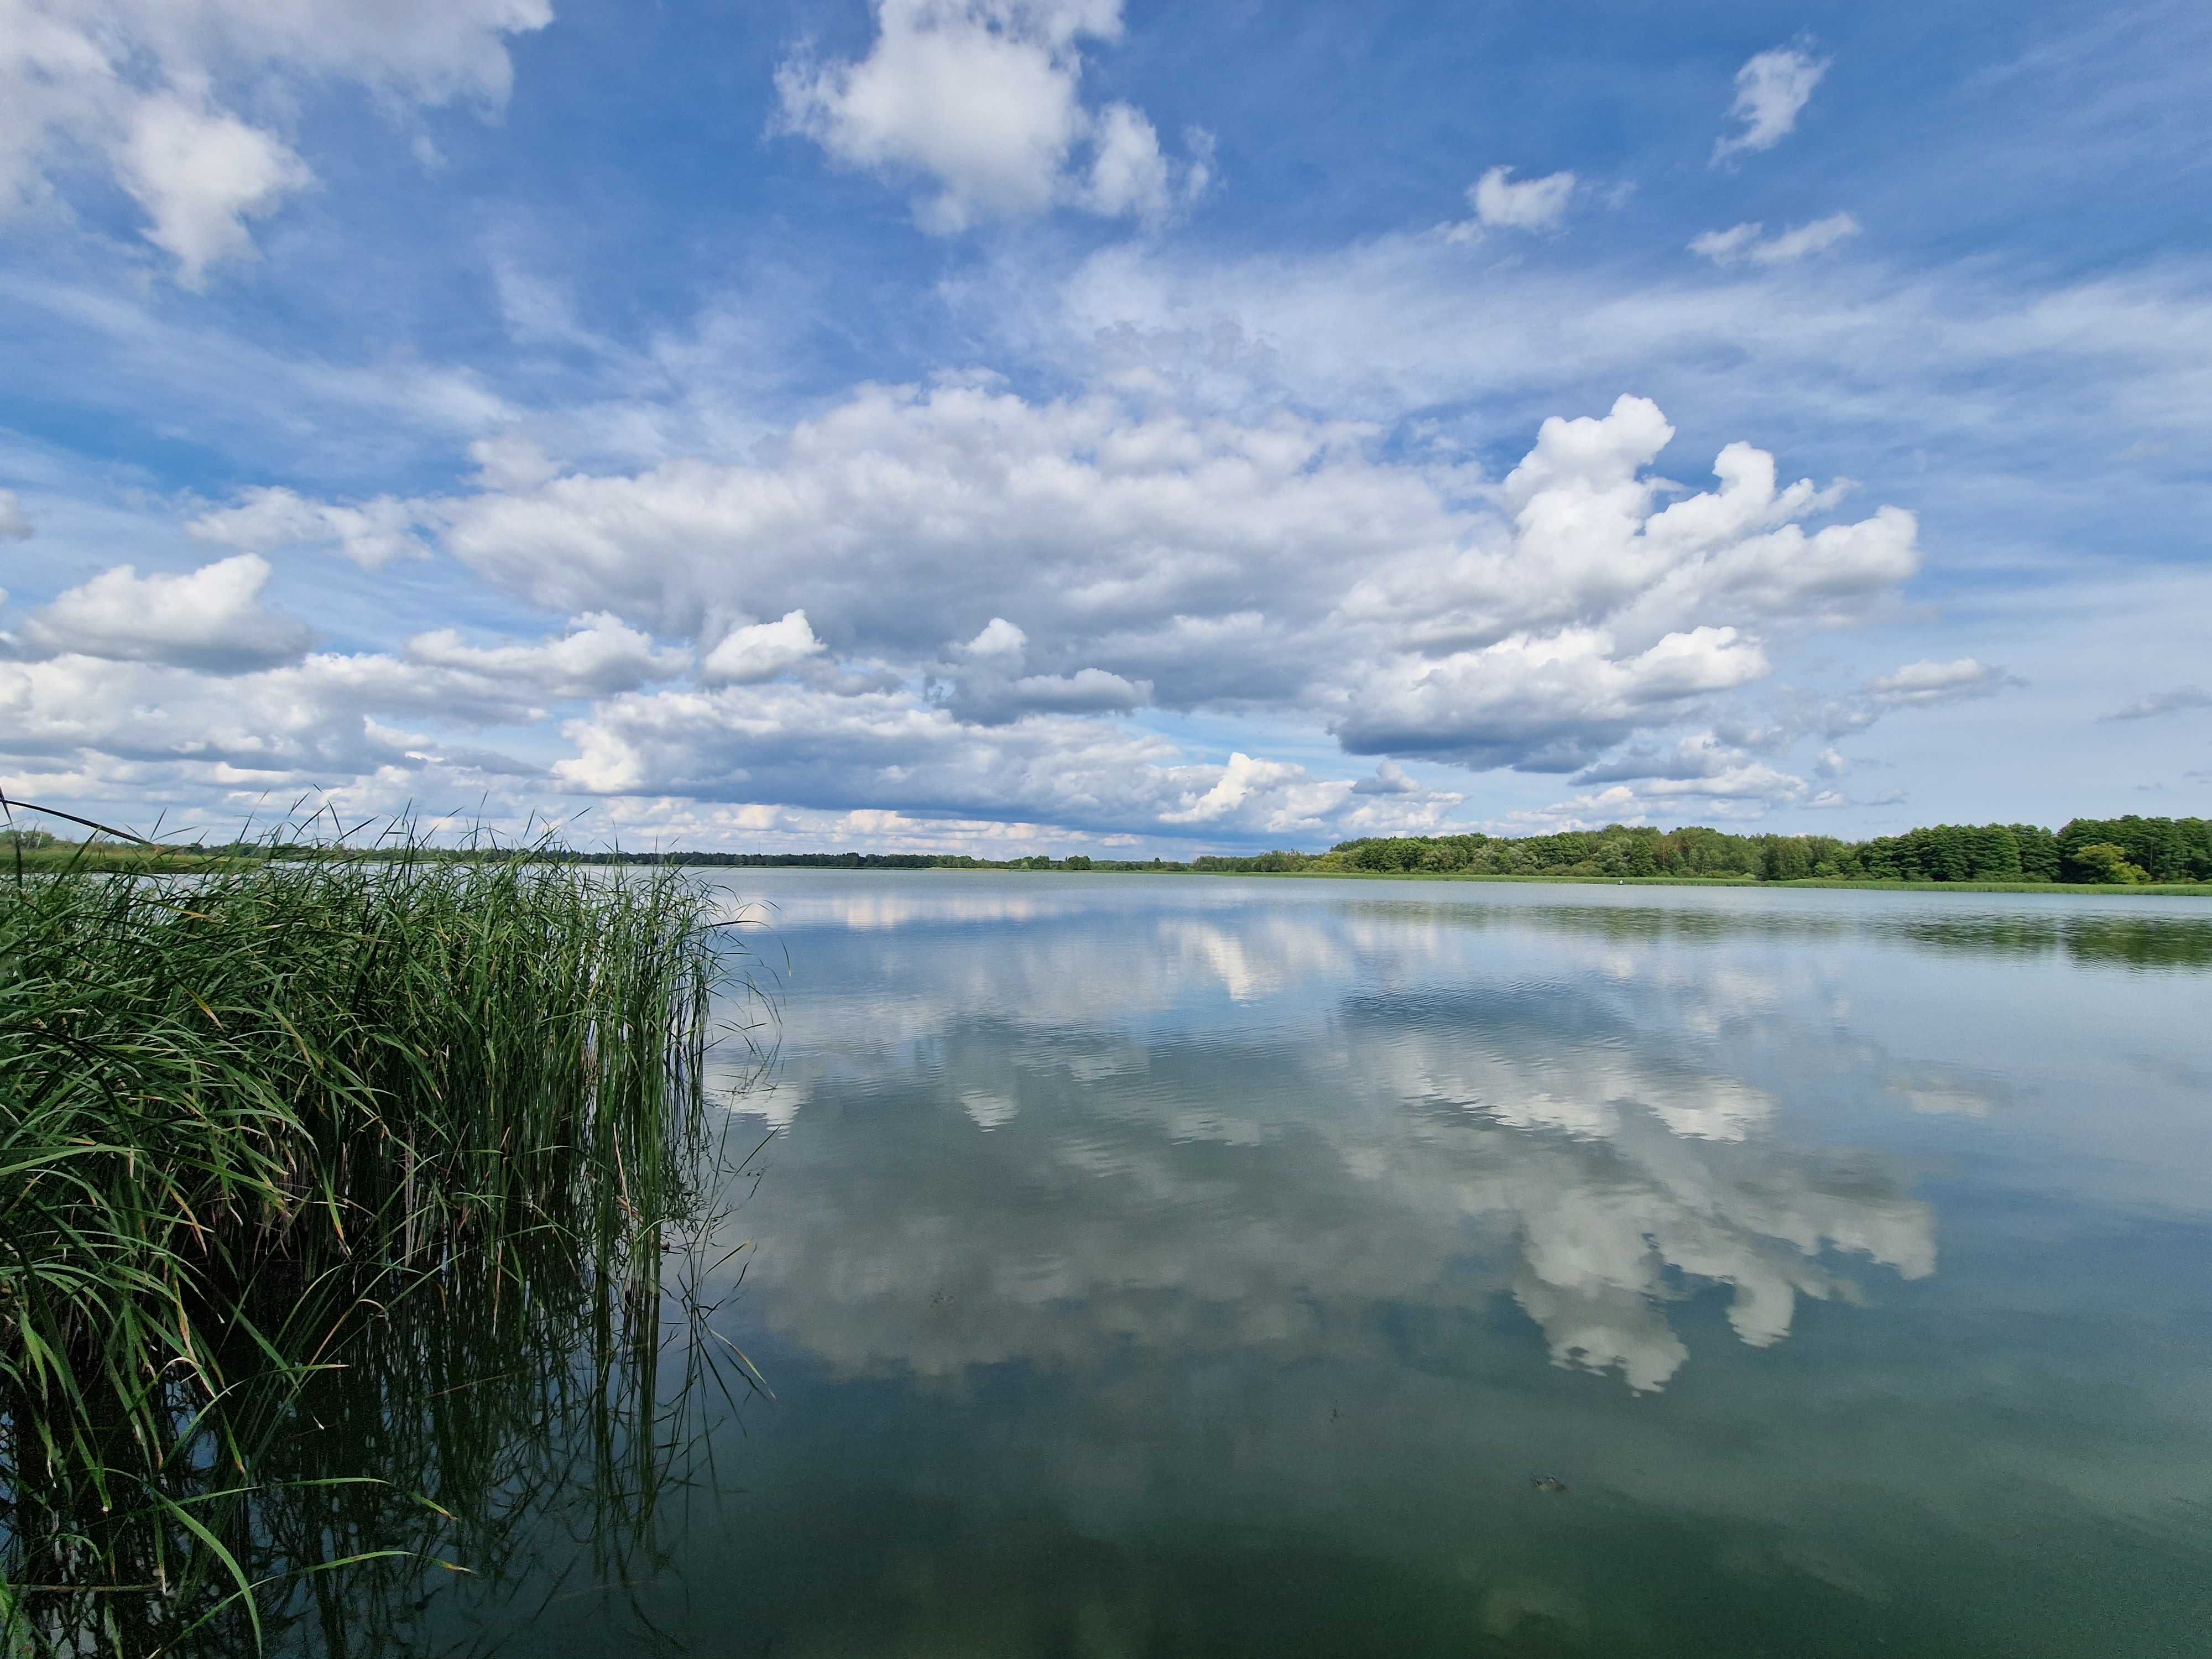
291	1114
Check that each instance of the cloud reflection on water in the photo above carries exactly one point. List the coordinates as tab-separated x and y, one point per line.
1024	1144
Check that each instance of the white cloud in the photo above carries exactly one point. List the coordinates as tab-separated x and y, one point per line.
969	586
598	655
1245	782
1097	558
267	521
201	174
14	523
1543	702
1587	545
1000	639
1502	203
982	98
1771	91
1748	242
1926	681
761	651
1128	177
141	84
1137	544
211	619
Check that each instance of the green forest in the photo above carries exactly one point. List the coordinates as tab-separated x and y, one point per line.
2099	852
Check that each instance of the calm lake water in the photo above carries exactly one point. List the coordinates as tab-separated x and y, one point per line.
1182	1266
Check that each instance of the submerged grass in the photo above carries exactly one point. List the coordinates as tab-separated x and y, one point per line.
247	1113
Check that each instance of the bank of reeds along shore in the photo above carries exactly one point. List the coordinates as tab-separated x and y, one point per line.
248	1113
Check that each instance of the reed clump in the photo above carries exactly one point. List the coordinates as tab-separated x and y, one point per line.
244	1111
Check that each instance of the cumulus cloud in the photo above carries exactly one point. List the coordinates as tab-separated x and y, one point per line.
2175	701
972	556
983	100
140	85
210	619
1590	544
1245	780
1771	91
940	599
1137	544
1000	641
1501	202
1918	685
761	651
1543	704
1748	243
14	523
267	521
201	174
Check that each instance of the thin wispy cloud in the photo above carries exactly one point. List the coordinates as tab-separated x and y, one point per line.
1748	244
1772	91
2180	700
1927	682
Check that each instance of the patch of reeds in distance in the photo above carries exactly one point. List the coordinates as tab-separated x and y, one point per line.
267	1130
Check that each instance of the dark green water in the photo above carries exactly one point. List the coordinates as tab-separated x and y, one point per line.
1175	1266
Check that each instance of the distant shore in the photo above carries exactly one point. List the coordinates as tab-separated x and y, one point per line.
2145	889
180	862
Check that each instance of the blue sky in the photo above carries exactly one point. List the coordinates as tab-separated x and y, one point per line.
996	425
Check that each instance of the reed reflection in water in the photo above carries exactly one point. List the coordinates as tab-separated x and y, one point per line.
475	1450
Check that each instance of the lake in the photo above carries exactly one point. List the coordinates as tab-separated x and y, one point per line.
1184	1266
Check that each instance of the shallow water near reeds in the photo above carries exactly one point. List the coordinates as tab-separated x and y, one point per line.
1174	1266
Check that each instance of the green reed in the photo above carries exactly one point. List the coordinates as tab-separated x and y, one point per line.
302	1113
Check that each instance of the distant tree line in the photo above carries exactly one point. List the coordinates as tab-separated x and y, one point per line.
2109	852
2086	852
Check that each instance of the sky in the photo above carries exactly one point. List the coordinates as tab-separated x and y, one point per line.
1100	426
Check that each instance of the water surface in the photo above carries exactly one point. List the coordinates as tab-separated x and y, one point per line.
1149	1265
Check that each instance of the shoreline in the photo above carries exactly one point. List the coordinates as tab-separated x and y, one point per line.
2145	889
2148	889
107	862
